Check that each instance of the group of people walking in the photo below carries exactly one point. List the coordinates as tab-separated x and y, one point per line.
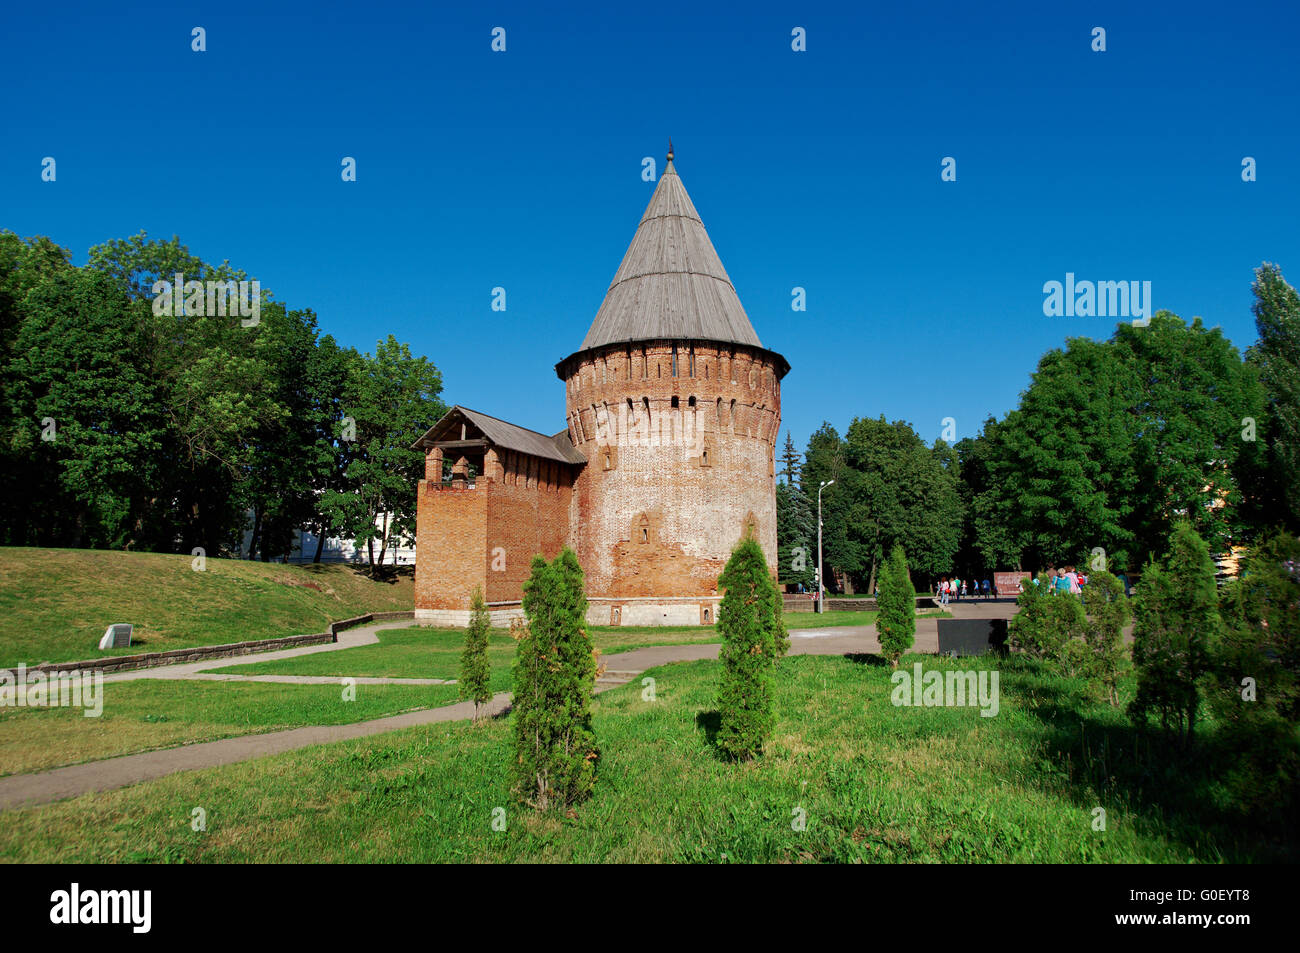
1065	579
956	588
1058	579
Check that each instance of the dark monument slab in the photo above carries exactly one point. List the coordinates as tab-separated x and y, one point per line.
972	636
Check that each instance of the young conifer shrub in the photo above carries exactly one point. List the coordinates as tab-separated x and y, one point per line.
749	624
554	675
1175	631
896	623
1107	611
1256	696
474	669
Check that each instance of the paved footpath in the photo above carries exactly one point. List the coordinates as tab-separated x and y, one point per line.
25	790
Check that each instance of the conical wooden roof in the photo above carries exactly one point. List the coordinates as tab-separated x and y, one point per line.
671	284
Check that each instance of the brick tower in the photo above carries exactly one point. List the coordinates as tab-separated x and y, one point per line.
669	456
676	406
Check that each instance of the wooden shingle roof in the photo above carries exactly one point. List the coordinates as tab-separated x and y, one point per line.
502	434
671	283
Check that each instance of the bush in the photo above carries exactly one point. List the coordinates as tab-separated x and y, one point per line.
1176	627
474	669
1261	614
554	675
896	623
748	623
1107	612
1048	626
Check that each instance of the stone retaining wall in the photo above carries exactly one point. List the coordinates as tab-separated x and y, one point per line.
201	653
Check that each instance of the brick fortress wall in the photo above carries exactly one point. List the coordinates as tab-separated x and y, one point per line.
487	535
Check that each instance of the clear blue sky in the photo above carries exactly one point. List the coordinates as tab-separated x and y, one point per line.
819	169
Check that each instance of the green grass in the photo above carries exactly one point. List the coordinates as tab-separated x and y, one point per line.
877	782
821	620
56	603
622	638
410	652
424	652
152	713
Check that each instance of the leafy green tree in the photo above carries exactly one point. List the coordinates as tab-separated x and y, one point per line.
554	676
1175	633
991	536
890	488
1192	393
1114	441
31	506
85	420
279	484
474	670
749	624
896	623
1061	473
396	402
823	462
217	391
1276	356
333	382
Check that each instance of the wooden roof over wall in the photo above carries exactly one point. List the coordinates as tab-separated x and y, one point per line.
502	434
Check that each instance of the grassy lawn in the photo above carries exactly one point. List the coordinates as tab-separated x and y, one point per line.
56	603
821	620
877	782
409	652
622	638
816	620
424	652
149	713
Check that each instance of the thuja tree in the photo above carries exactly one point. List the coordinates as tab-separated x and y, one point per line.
1049	627
896	624
554	675
1175	630
749	624
1257	695
1107	612
474	670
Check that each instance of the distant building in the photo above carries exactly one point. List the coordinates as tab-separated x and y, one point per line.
669	457
338	549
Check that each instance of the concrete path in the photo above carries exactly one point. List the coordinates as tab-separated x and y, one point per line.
349	639
620	668
29	789
320	679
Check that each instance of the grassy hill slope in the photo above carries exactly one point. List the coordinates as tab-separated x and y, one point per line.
56	603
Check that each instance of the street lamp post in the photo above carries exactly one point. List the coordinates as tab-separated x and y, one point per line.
821	585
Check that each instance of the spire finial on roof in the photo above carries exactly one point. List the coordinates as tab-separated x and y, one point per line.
670	148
